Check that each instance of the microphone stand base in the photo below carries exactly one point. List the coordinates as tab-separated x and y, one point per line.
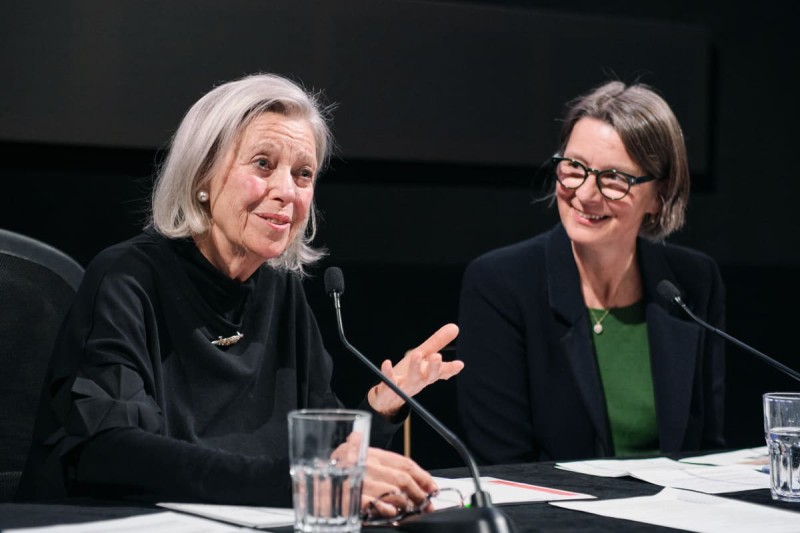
461	520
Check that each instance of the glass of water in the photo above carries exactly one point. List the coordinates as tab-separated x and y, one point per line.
782	432
327	451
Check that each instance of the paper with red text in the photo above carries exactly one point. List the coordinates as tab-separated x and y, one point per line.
504	491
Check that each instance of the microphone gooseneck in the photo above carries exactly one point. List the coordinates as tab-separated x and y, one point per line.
482	516
667	290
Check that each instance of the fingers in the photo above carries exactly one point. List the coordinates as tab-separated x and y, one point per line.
388	472
420	367
425	371
400	472
450	369
387	369
443	336
348	451
414	371
377	507
431	366
434	368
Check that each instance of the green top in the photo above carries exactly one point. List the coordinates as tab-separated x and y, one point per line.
623	356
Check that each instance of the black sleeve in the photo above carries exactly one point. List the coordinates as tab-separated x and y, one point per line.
382	429
157	468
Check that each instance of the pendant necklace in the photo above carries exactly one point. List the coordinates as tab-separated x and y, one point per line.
598	322
228	341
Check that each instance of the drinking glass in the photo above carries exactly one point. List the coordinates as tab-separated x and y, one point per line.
782	433
327	452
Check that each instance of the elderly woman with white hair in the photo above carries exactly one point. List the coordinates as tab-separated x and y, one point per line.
187	346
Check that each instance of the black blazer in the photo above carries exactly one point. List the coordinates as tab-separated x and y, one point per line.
531	387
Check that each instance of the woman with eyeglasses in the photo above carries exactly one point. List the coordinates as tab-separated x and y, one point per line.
569	351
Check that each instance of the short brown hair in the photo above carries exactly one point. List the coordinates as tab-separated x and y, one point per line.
652	137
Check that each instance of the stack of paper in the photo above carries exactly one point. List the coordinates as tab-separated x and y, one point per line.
255	517
621	467
756	457
166	522
693	511
504	491
732	477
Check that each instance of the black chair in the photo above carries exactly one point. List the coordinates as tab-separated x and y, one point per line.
37	285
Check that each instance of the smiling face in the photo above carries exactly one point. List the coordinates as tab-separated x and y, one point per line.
590	218
262	196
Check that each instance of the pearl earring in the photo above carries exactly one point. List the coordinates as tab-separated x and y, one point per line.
202	196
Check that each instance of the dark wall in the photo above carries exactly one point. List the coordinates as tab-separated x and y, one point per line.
413	81
445	110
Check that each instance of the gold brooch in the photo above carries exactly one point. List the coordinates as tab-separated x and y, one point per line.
227	341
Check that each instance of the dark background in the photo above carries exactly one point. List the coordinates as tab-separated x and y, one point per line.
445	111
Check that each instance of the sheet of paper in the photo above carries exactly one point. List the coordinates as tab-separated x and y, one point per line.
621	467
166	522
256	517
708	479
758	457
693	511
505	491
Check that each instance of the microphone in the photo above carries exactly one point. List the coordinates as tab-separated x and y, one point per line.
482	516
670	292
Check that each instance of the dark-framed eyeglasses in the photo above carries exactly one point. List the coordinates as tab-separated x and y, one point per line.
613	184
442	498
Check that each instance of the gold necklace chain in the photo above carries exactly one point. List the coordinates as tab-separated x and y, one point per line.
598	322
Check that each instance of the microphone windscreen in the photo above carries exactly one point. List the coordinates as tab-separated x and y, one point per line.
334	280
667	290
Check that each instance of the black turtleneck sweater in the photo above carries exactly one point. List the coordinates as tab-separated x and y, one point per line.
138	403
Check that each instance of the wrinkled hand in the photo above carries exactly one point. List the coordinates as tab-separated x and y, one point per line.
419	368
388	472
347	453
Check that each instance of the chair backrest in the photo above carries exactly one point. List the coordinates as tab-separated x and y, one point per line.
37	285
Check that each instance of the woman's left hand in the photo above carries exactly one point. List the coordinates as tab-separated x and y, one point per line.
419	368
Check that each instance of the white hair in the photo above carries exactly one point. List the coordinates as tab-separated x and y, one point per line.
206	133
